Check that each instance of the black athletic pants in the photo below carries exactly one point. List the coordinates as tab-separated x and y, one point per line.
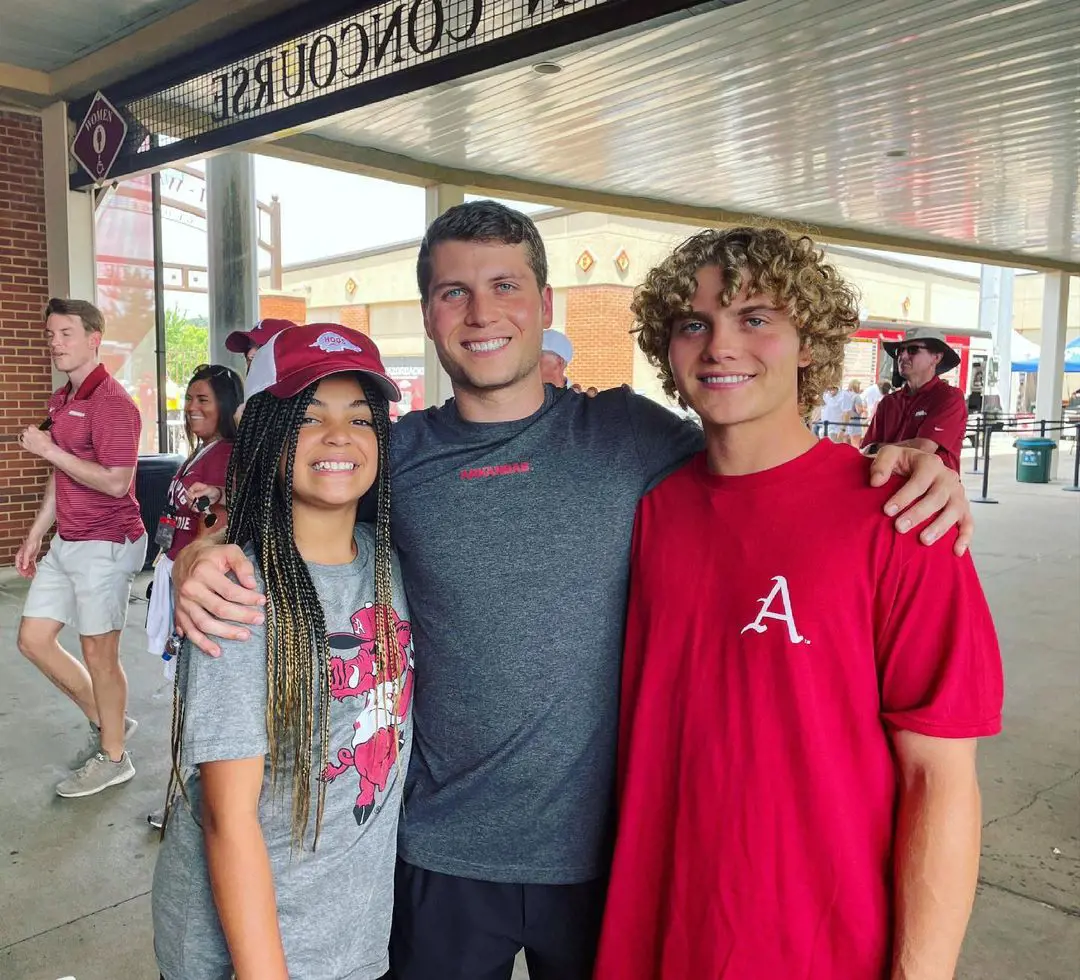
450	928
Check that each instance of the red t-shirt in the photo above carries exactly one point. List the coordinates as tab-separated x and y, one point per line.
100	423
937	411
208	467
778	628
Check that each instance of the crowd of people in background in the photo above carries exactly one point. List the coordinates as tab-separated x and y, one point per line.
368	787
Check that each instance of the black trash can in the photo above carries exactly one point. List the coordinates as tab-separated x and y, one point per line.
153	474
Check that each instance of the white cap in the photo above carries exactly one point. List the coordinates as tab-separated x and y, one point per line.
556	342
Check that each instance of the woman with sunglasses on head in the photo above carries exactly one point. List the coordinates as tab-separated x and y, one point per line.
279	860
213	395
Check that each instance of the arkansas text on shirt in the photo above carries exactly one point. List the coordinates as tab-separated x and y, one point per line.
99	423
757	789
210	467
937	411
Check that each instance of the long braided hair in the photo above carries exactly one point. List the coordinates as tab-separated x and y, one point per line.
259	504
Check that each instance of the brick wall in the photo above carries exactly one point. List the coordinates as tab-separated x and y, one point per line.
280	306
356	317
25	369
598	322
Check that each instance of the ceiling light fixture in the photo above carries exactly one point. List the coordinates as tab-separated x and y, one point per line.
896	154
547	68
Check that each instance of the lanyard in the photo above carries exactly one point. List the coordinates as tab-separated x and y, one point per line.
187	465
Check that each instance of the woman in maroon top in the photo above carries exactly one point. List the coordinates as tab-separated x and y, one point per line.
213	395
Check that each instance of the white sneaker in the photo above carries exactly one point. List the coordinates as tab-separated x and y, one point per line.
99	773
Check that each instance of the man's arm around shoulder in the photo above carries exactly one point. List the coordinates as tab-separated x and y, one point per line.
207	601
664	439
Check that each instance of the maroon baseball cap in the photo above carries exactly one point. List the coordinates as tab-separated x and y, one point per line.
241	341
299	356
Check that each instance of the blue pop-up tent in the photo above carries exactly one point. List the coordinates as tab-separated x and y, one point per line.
1029	365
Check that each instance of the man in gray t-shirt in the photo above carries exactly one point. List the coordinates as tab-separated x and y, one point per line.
512	515
334	903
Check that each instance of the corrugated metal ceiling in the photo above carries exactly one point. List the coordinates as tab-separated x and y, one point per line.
956	120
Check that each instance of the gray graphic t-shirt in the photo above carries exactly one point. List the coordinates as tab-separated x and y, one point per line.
334	904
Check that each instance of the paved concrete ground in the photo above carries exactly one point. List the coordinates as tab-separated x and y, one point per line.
76	874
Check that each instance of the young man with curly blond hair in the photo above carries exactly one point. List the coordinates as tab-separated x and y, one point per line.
796	778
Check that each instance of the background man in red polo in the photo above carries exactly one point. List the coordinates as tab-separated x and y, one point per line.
926	413
91	439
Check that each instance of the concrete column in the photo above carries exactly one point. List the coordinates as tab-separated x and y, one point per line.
232	237
1003	337
996	316
440	198
1055	311
69	217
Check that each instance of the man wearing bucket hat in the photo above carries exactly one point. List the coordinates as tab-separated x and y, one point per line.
926	413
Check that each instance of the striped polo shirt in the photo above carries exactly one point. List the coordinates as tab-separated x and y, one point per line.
99	423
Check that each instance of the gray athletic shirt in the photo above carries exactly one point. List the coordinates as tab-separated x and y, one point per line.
334	904
514	541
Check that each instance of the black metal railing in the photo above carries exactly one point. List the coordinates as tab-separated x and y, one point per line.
979	433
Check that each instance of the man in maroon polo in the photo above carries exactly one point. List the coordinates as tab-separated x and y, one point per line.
91	440
925	413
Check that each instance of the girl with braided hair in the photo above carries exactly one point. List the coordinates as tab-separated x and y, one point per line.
278	861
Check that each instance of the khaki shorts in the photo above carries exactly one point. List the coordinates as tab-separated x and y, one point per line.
85	584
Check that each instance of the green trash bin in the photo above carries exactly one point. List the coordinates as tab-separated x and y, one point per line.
1033	460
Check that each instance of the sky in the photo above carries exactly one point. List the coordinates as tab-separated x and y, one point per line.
328	212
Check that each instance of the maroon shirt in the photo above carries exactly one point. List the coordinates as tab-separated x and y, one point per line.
99	423
209	467
937	411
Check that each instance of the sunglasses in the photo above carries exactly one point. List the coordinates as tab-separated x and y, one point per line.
911	349
215	370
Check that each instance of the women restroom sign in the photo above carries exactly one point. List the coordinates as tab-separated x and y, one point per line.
100	138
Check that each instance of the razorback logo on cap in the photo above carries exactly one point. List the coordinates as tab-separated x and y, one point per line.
333	343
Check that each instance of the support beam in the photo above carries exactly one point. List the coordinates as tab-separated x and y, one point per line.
1055	312
995	317
232	245
24	87
437	387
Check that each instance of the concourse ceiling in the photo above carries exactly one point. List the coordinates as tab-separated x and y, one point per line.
53	49
49	34
938	125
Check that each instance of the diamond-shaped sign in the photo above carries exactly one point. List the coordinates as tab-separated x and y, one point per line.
350	285
585	261
98	142
622	261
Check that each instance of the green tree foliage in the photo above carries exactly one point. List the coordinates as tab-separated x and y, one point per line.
187	345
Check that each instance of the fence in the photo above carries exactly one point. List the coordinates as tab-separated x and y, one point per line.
979	433
983	431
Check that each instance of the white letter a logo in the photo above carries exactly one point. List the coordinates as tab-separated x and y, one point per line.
787	616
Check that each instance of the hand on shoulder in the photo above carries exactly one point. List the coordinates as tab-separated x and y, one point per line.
931	491
208	602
